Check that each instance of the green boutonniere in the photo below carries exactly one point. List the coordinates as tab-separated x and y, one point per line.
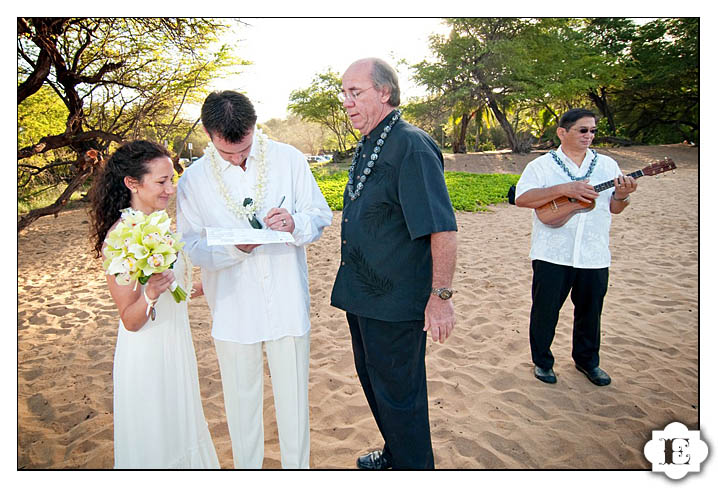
253	221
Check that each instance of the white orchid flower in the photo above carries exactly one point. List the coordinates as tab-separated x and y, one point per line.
122	265
138	251
156	260
123	279
152	239
132	218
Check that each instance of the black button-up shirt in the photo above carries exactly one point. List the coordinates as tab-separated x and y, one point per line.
386	267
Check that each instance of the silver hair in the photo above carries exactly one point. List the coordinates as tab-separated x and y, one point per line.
383	75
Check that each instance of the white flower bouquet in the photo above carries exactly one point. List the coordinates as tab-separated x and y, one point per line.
141	245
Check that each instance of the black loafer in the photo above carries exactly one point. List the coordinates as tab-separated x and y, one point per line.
373	461
595	375
545	375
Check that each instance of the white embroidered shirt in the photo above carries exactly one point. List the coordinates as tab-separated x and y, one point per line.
262	295
583	241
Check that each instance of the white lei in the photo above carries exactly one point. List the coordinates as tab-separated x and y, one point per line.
239	210
187	273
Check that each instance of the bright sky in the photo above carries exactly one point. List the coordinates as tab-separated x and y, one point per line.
287	53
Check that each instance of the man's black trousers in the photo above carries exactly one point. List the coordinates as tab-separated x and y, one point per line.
550	287
389	359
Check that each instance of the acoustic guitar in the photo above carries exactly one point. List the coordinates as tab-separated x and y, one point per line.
557	212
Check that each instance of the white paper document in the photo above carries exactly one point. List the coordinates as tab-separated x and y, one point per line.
229	236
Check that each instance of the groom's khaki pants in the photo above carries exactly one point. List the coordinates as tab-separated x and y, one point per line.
242	371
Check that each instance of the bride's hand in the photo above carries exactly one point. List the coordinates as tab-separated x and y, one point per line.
158	283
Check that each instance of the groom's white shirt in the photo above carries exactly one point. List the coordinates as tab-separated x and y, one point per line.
263	295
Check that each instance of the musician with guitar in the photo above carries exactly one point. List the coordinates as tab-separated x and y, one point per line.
569	245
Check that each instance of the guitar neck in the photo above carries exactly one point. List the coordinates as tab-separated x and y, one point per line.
606	185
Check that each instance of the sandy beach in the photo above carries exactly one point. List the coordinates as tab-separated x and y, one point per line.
487	411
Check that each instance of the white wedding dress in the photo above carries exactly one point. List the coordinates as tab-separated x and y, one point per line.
158	415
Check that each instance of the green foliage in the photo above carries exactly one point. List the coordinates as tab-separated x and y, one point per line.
308	137
107	80
40	115
660	103
319	103
332	187
487	146
487	63
641	79
474	192
429	113
199	140
468	191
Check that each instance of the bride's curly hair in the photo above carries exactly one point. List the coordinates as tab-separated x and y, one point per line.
109	194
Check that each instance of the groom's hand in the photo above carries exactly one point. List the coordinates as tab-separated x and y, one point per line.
247	248
279	219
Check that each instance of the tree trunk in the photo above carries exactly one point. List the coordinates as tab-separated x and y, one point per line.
36	79
601	101
505	124
175	161
459	143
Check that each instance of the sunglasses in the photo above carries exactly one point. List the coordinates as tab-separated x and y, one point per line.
584	130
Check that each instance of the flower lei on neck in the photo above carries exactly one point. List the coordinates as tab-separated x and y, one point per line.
373	158
241	211
568	172
187	272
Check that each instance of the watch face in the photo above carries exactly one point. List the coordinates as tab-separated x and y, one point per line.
445	294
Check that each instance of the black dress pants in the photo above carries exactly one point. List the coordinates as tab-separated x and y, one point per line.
551	285
389	360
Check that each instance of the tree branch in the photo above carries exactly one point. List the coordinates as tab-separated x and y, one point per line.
61	140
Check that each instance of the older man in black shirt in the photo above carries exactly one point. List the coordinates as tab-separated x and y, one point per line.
398	256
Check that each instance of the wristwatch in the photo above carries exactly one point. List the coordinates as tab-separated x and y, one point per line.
443	293
625	199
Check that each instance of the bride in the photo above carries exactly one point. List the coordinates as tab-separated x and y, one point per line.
158	416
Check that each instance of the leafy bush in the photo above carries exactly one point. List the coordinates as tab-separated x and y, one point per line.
468	191
474	192
332	186
487	146
498	137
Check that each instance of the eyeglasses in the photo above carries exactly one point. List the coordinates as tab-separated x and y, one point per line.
351	95
584	130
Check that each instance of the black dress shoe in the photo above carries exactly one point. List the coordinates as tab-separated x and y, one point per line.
545	375
373	461
595	375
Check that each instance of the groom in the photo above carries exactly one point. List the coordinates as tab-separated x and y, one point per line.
258	294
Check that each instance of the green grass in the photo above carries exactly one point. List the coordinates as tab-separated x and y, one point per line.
470	192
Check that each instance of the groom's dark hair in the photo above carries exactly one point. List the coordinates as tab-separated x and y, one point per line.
229	115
